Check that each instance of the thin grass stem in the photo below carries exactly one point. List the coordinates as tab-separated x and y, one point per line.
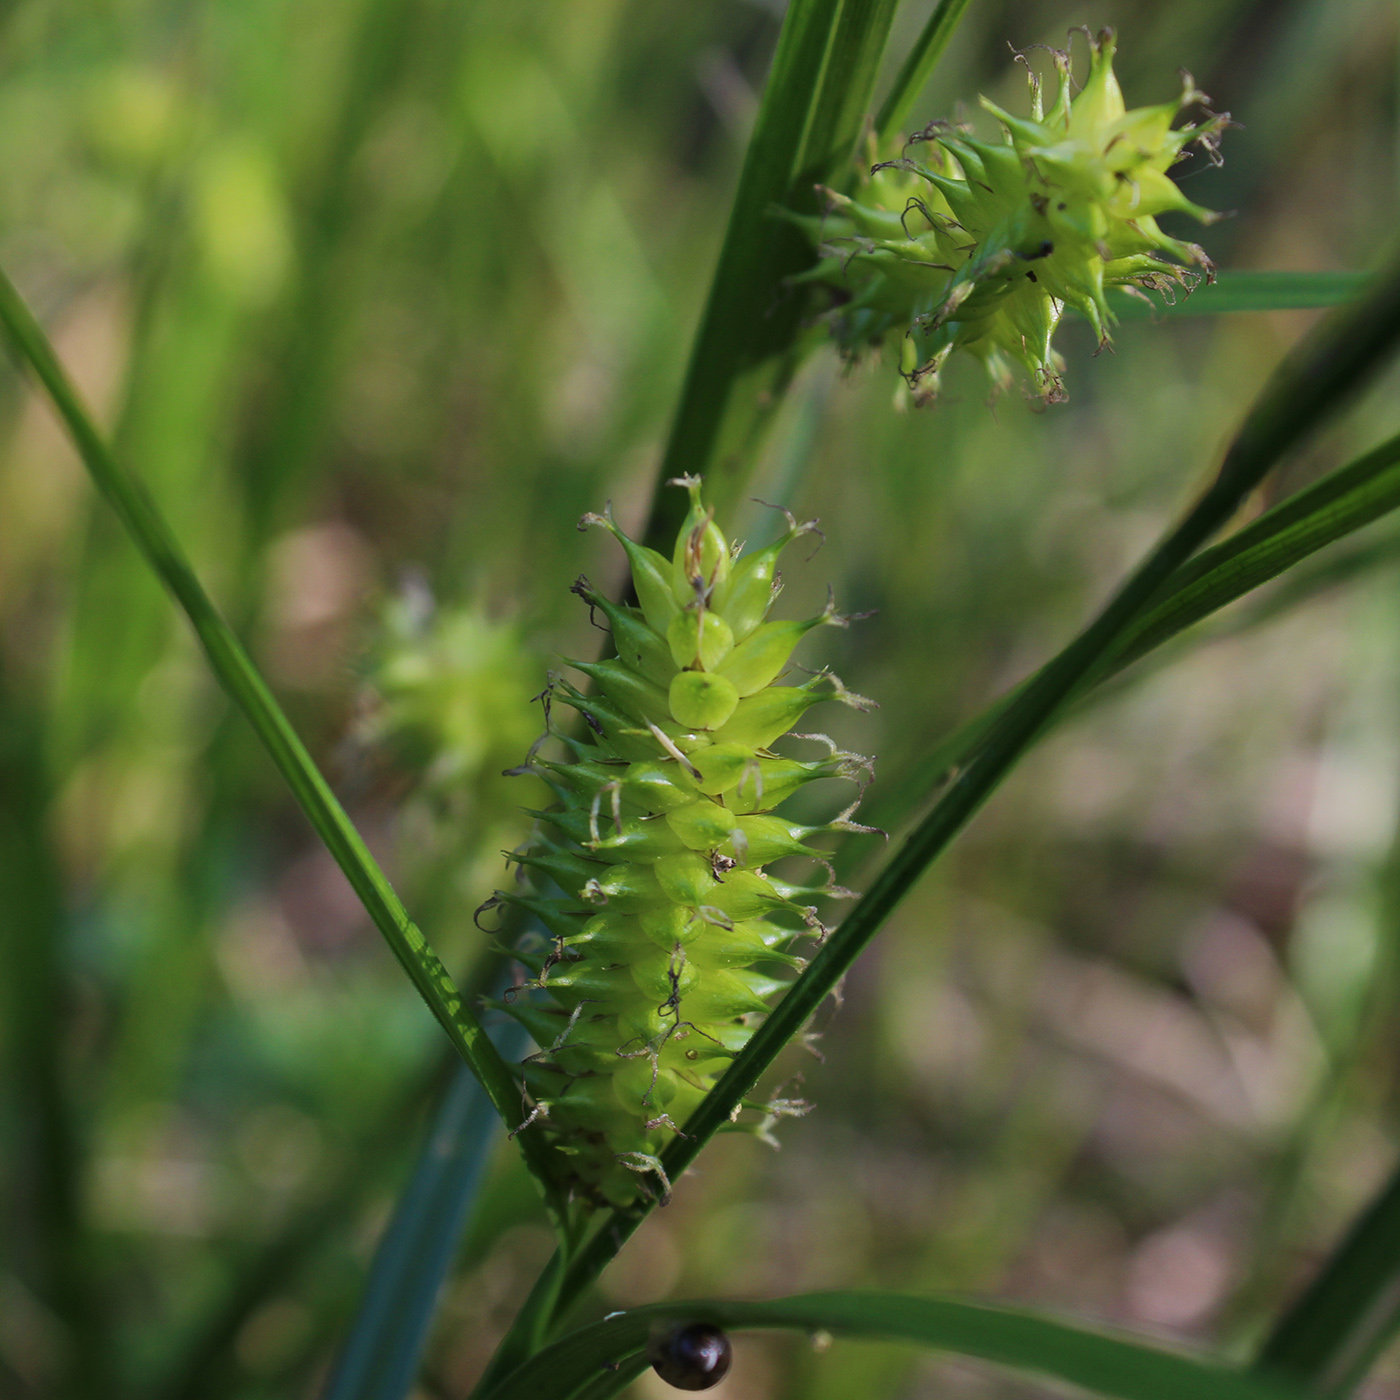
245	686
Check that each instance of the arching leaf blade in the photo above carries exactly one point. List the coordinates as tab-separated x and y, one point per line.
1342	502
918	66
244	684
1121	1367
1246	291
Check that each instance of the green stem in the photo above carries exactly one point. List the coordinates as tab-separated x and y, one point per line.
246	687
740	330
748	343
1336	1329
918	66
1327	368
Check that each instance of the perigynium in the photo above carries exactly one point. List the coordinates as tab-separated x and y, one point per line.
666	935
963	244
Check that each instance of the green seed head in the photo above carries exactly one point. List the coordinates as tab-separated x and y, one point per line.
662	951
961	244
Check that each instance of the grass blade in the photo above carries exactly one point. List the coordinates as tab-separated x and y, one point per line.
744	354
1321	373
917	68
1122	1367
246	688
739	330
608	1383
382	1353
1340	503
1248	291
1333	1333
853	64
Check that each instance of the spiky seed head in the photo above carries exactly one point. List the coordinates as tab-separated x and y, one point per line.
663	937
959	244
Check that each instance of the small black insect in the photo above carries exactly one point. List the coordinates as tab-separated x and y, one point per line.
691	1357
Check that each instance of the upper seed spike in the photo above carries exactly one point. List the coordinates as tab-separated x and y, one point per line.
1053	216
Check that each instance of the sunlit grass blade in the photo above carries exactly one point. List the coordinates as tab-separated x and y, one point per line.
1117	1366
245	686
383	1350
1326	369
918	66
1247	291
1336	1329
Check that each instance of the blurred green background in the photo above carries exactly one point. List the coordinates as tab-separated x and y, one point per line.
379	297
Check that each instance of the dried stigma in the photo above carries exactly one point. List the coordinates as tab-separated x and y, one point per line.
666	938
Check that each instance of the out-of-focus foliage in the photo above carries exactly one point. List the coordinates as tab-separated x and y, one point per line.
395	290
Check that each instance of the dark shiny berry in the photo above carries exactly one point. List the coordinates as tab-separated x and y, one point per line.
693	1357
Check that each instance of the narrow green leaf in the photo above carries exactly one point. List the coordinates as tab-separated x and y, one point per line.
745	351
1340	503
1246	291
1326	369
852	65
746	323
383	1350
608	1383
1333	1333
917	68
531	1325
1334	568
245	686
1118	1366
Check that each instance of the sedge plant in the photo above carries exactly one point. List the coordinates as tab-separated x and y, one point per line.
665	966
